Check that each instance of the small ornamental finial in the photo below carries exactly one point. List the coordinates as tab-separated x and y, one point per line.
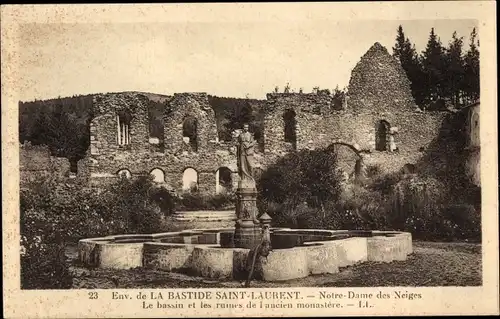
265	219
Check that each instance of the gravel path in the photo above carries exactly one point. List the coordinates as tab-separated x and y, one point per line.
431	264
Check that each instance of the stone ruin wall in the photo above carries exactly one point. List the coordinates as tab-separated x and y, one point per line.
473	146
378	90
36	162
106	158
416	131
379	83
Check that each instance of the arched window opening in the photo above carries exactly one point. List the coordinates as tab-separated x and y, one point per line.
73	166
156	112
158	175
190	180
123	120
290	128
190	132
382	136
224	180
124	173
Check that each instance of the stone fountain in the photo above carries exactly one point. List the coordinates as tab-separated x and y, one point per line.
224	253
248	229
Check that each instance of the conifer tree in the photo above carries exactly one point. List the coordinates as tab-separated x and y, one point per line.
470	84
400	49
406	53
454	70
433	66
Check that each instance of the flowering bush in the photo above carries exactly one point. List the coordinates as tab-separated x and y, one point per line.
370	207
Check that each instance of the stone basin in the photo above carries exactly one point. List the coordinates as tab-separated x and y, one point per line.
210	253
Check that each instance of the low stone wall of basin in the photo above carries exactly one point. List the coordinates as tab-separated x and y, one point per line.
169	257
199	252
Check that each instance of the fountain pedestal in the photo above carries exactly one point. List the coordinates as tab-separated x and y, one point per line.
247	232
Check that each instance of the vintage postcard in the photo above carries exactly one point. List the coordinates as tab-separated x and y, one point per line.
244	160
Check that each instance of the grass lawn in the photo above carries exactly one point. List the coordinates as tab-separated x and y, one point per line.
431	264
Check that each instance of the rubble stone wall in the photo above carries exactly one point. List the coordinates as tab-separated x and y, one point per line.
35	162
308	108
107	158
378	82
473	162
194	105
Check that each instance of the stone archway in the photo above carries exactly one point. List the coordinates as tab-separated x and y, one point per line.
124	173
349	159
190	180
224	180
158	175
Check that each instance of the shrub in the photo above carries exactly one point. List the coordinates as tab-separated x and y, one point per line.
373	171
53	214
191	201
304	216
164	199
421	205
301	183
415	196
223	200
397	201
43	262
370	207
198	201
385	183
133	205
465	220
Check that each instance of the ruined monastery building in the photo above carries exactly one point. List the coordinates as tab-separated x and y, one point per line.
379	123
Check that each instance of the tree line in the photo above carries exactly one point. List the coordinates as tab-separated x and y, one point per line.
62	124
441	75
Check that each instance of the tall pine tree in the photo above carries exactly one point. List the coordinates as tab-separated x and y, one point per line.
433	58
454	70
400	48
408	57
470	84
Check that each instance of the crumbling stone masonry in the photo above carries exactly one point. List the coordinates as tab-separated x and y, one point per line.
378	125
379	113
35	162
473	144
140	154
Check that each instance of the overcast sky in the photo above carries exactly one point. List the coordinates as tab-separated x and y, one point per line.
224	59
